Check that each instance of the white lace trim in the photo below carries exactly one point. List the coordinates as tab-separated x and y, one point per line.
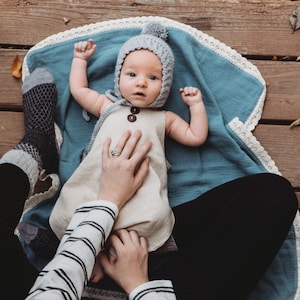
39	197
138	22
254	145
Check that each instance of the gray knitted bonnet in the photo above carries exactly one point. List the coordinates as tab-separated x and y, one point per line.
153	37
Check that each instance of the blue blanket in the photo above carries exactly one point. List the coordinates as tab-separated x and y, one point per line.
233	92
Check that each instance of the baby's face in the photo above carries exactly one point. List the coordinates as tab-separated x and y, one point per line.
141	78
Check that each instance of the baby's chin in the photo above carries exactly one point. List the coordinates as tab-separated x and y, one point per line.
141	102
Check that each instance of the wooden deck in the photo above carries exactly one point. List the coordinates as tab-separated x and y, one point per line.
258	29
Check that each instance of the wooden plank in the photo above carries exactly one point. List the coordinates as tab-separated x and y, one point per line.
254	28
251	27
283	89
282	101
10	88
279	141
11	130
282	144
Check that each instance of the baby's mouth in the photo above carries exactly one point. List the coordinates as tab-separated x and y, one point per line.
139	94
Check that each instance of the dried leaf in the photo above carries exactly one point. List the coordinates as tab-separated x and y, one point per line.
295	19
66	20
295	123
16	67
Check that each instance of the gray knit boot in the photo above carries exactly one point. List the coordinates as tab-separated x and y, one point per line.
38	149
39	103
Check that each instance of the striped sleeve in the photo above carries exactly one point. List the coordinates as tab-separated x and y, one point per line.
154	290
66	275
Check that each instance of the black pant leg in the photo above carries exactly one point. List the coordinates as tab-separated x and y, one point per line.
229	236
18	274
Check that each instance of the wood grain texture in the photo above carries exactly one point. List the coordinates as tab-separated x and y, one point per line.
282	78
251	27
258	29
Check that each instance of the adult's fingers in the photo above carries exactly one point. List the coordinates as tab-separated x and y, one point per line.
126	149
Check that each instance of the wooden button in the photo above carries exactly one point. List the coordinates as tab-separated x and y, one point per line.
131	118
134	110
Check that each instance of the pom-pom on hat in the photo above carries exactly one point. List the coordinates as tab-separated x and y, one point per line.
153	38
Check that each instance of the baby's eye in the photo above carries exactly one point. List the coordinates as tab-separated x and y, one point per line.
131	74
153	77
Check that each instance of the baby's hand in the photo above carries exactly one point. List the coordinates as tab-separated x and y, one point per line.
84	49
191	95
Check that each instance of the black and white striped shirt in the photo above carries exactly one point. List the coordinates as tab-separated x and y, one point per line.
67	274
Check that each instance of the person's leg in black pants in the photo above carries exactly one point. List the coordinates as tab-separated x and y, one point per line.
229	236
18	273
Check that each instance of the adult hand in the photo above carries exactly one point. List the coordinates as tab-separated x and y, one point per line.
123	175
98	272
126	260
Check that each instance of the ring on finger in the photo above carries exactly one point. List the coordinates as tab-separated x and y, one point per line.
115	153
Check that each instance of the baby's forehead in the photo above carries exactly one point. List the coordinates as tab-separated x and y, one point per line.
142	58
141	53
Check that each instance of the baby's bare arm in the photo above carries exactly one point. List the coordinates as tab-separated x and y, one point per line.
195	133
89	99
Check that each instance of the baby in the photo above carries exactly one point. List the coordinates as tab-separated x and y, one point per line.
143	79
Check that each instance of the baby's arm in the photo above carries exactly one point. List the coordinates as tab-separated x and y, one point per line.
89	99
195	133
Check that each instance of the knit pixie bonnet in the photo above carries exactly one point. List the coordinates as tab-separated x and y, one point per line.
153	38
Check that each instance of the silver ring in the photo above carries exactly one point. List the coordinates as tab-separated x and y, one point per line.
115	153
